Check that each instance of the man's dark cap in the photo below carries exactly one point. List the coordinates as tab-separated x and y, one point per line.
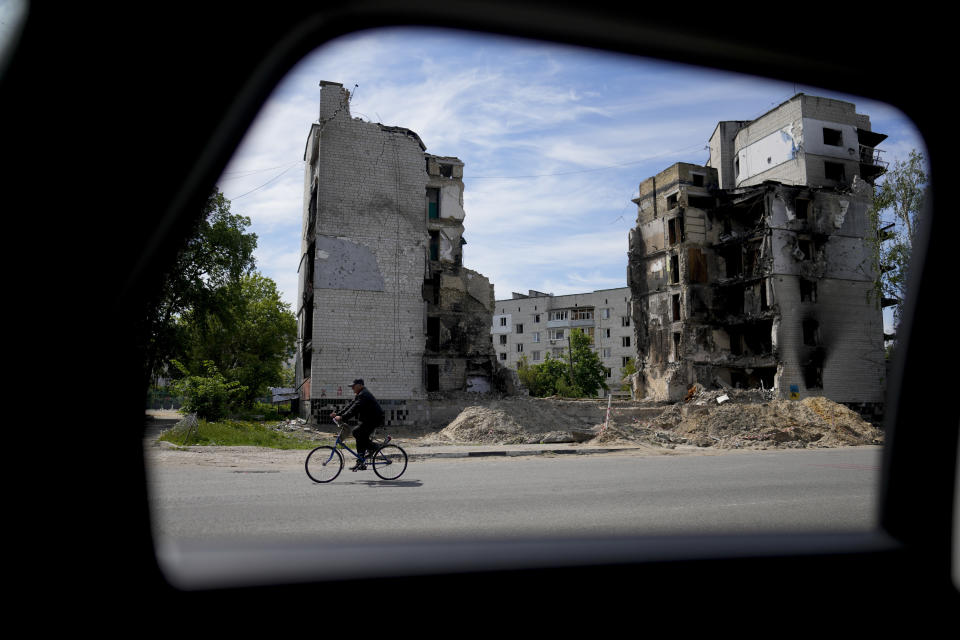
358	381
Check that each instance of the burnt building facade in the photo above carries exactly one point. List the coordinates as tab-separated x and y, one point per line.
383	293
756	270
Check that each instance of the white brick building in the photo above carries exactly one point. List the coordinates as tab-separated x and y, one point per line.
383	294
537	324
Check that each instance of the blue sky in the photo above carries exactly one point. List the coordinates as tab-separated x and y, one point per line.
555	142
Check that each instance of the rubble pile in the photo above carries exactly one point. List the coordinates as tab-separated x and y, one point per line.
724	419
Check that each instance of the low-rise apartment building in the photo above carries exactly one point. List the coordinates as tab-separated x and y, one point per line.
538	324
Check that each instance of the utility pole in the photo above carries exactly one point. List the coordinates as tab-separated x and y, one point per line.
570	351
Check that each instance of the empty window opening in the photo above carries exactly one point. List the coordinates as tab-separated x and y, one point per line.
754	378
519	347
764	303
625	361
433	203
808	290
733	300
806	247
736	166
433	334
676	307
733	259
503	339
676	346
503	355
833	137
433	377
834	171
672	201
674	269
625	341
811	333
446	170
625	321
758	338
813	371
675	229
701	202
697	179
434	245
802	208
536	318
519	328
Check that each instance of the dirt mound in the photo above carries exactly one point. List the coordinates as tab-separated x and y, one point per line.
732	419
521	420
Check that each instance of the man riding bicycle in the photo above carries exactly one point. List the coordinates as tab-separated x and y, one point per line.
370	416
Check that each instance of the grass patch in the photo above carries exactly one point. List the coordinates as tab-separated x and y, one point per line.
234	433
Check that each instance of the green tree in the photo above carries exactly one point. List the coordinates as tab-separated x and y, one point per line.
895	214
588	375
216	256
556	376
209	396
250	335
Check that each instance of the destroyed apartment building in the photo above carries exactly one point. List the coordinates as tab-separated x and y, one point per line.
756	270
383	293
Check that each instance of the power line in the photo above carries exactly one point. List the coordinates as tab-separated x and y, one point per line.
263	185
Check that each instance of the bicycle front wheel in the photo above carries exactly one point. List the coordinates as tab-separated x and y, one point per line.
389	462
324	464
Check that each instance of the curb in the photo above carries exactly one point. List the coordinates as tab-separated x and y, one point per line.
514	452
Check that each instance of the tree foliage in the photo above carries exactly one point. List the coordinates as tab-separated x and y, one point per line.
209	396
895	214
217	255
249	336
556	376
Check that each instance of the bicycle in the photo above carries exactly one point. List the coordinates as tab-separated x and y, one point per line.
325	463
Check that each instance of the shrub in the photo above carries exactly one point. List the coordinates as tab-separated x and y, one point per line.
209	396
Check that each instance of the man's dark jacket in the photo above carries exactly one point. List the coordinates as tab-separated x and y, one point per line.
366	408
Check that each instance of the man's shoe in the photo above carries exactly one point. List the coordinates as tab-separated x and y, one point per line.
358	467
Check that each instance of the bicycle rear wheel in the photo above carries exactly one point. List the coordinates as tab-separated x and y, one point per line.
324	464
389	462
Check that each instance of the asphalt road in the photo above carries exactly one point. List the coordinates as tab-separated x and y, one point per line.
767	491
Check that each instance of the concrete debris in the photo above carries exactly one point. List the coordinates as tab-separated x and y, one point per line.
746	419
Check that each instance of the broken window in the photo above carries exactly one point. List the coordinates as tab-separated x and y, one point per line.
608	371
503	339
433	203
811	332
675	229
736	166
519	347
676	307
700	202
519	328
676	346
503	355
802	208
833	137
674	269
625	321
733	261
625	361
672	201
808	290
625	341
434	245
806	247
607	352
433	334
433	377
536	318
834	171
813	370
606	333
